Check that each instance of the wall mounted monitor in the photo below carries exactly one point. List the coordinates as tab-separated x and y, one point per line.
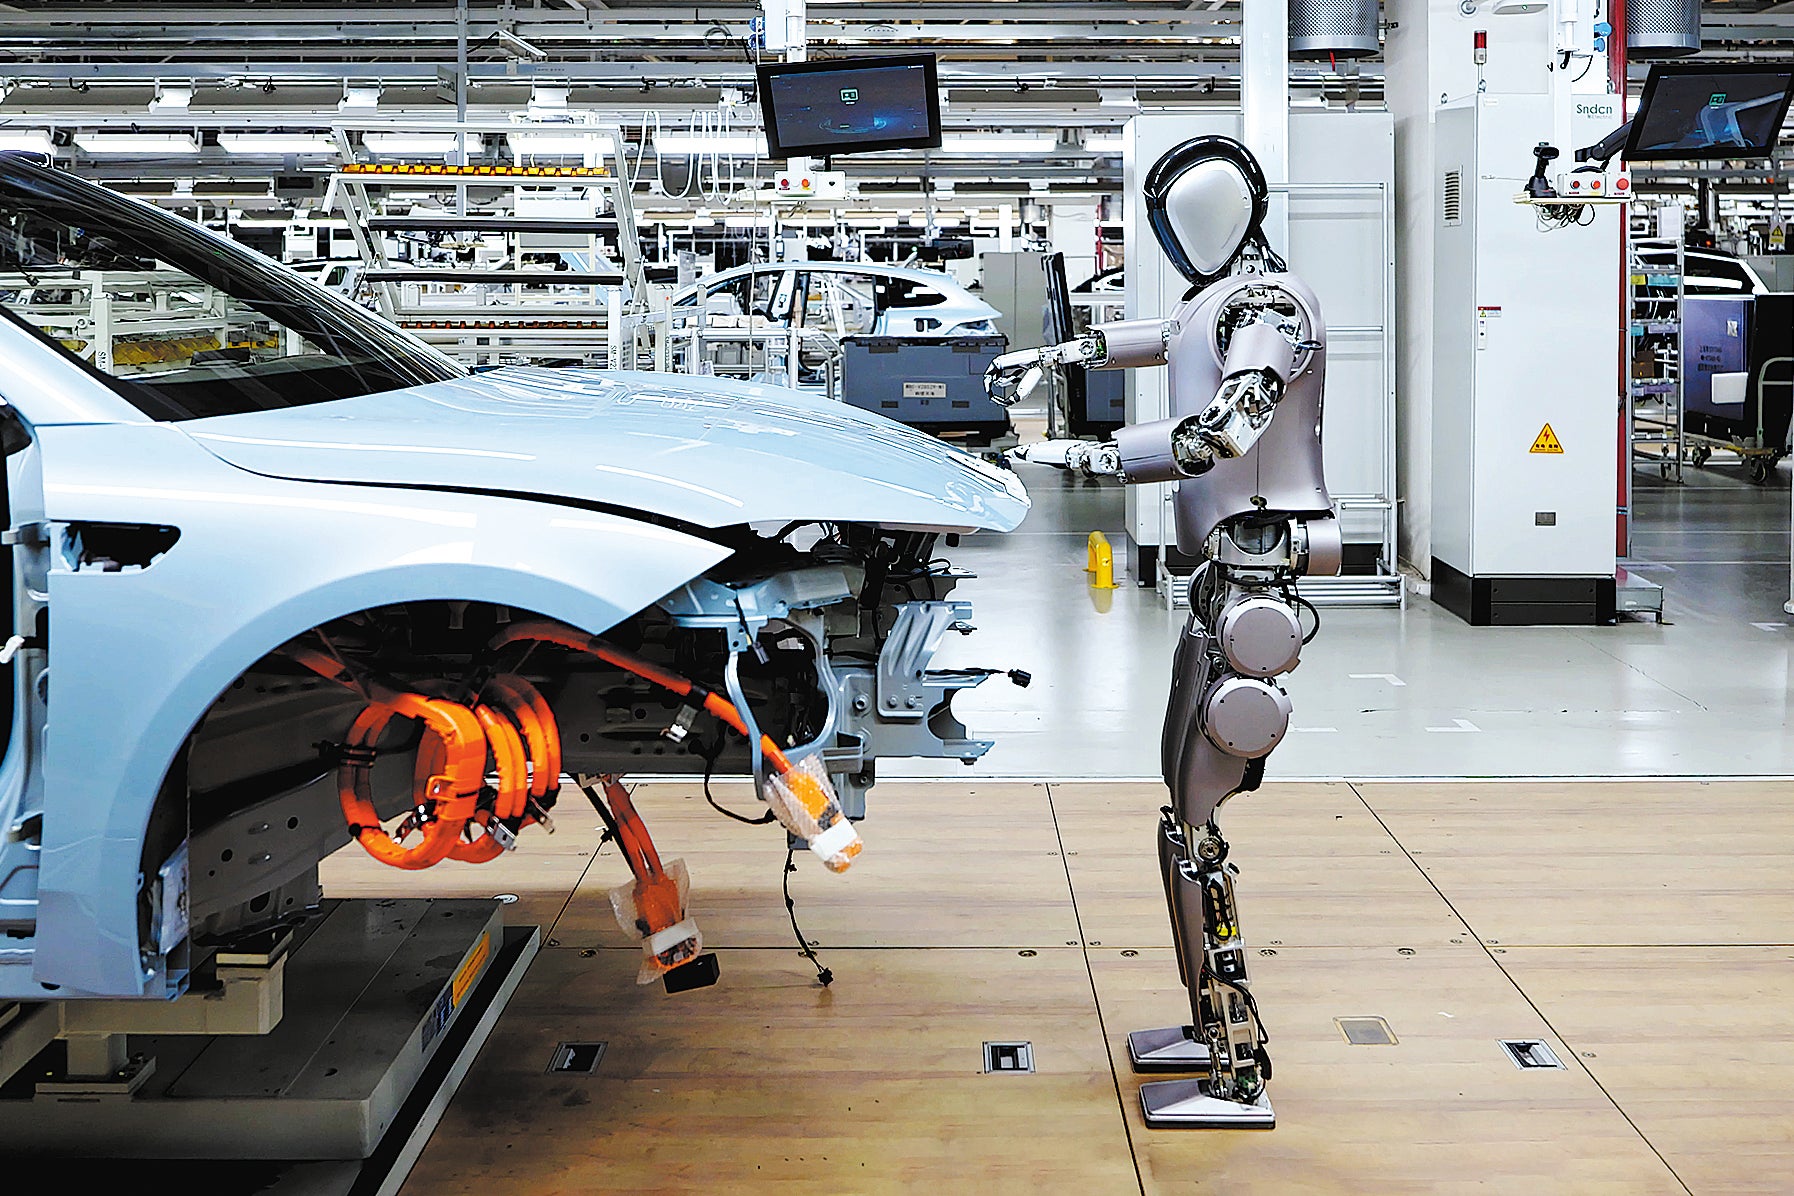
1710	111
850	105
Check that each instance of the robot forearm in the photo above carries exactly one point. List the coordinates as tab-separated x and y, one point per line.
1133	344
1166	450
1121	345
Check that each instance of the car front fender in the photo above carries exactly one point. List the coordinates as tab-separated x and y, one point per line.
137	656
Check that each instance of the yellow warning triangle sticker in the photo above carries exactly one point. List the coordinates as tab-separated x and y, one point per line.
1546	442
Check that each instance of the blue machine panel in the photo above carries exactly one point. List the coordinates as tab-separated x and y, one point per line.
1715	340
934	385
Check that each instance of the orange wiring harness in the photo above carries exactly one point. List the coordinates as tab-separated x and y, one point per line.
799	794
508	732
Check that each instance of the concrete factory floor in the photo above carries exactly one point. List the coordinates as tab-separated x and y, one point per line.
1411	693
1643	930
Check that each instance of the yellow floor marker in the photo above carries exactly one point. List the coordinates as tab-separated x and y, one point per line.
1546	442
1099	560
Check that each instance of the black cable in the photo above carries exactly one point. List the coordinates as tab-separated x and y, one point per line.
824	976
1296	599
710	759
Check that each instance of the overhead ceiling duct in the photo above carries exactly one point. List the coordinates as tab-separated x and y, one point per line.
1662	28
1333	28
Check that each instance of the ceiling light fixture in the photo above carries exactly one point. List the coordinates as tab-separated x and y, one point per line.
417	143
516	47
141	145
276	143
673	143
557	143
999	143
33	141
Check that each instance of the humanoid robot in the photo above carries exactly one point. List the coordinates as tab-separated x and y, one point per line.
1247	354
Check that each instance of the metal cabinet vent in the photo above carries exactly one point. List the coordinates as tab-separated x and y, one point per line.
1453	199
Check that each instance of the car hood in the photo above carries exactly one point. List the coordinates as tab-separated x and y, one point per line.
701	450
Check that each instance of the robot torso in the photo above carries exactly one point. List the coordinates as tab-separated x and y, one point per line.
1281	474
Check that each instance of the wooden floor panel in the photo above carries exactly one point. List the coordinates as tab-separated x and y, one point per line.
944	866
1316	869
541	873
963	922
1601	863
1443	1110
768	1082
1696	1044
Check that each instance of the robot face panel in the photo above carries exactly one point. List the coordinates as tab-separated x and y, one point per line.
1208	209
1206	200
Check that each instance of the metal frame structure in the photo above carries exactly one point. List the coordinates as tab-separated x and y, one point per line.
577	309
1650	316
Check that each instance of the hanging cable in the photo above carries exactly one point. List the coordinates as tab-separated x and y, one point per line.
710	759
824	976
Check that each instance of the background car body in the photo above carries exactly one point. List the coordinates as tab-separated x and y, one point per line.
844	299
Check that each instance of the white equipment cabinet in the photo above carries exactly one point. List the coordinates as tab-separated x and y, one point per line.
1526	330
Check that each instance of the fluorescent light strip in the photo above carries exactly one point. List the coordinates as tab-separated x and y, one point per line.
36	141
141	145
276	143
558	143
999	143
710	143
418	143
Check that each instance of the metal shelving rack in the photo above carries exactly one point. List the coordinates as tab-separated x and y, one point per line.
135	322
500	315
1655	429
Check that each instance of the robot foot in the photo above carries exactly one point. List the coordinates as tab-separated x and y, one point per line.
1167	1048
1185	1104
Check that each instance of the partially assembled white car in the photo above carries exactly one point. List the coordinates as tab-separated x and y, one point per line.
300	577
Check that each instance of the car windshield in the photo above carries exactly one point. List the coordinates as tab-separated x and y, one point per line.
182	322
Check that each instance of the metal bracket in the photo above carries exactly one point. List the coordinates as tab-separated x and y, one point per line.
742	612
903	679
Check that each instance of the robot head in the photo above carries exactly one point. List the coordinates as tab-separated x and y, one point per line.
1206	201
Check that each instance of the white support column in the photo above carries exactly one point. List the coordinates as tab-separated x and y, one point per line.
1264	103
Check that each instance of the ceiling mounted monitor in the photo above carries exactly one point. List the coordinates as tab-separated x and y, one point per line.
850	105
1710	111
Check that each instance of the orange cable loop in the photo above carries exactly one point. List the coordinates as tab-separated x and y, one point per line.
512	726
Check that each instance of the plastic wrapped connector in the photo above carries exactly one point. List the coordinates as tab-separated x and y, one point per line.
653	909
805	803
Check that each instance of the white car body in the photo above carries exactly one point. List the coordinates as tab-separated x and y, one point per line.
841	299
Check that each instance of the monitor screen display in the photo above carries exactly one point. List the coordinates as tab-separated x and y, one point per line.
1714	111
850	105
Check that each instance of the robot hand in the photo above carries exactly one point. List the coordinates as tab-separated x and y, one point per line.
1013	376
1082	456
